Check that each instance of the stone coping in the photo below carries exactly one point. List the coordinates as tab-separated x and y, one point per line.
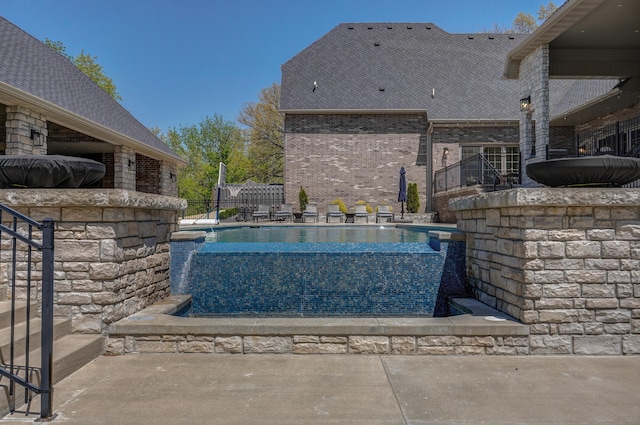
194	232
549	197
157	319
102	198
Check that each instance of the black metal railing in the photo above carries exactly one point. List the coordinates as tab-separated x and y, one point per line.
18	238
202	208
621	138
473	171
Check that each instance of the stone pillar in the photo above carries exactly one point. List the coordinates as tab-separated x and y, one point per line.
21	122
534	82
124	168
168	179
565	261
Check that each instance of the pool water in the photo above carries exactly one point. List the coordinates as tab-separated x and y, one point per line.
346	234
298	271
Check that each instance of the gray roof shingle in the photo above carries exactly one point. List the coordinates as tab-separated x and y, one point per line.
353	62
29	65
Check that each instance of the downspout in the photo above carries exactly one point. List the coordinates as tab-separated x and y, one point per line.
429	187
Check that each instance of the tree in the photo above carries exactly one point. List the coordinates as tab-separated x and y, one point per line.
303	199
525	23
89	65
413	200
204	146
266	136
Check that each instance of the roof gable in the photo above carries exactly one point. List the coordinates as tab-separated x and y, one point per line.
406	66
29	66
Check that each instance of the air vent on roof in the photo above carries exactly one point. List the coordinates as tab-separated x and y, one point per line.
511	37
350	27
377	43
491	37
369	28
381	88
389	27
428	27
409	27
470	37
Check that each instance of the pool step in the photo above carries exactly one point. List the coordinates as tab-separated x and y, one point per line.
70	351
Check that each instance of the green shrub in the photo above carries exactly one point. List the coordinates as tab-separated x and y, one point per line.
369	209
230	212
413	200
303	199
341	205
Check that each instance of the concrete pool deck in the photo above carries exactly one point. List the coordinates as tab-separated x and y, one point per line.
158	389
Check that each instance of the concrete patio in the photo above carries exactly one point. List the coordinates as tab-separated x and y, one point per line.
328	389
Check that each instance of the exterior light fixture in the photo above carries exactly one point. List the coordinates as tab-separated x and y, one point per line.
131	163
37	137
525	103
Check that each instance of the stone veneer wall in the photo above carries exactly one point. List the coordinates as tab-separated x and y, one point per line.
441	202
564	261
352	157
111	249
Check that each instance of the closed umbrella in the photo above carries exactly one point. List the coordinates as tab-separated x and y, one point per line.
402	194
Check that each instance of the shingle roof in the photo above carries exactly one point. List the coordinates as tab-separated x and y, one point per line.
32	67
415	66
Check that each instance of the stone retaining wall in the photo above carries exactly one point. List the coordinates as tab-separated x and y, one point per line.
566	262
111	250
155	330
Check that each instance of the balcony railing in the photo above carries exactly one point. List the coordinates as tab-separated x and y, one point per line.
619	139
473	171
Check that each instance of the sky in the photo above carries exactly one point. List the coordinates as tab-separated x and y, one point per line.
177	62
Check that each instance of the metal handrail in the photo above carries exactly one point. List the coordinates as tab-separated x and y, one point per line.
43	374
473	171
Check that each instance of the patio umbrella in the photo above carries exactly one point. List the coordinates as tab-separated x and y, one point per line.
402	194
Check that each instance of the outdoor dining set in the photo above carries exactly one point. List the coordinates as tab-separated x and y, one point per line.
310	214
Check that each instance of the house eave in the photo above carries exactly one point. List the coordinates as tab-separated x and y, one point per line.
479	122
565	17
352	111
10	95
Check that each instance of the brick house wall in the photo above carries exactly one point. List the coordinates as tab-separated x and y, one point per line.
147	174
352	157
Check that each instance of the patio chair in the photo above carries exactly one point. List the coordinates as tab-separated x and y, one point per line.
333	210
285	213
310	212
361	211
384	212
261	212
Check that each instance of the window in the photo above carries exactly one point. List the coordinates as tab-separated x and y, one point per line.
505	159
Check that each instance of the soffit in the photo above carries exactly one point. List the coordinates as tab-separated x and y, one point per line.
587	38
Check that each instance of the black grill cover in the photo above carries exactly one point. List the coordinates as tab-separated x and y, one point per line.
605	170
49	171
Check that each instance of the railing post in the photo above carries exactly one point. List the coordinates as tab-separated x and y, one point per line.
46	407
618	142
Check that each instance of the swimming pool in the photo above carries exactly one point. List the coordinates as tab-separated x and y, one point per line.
324	234
279	272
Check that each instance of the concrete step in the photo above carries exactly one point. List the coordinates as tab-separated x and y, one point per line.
61	327
20	314
70	353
